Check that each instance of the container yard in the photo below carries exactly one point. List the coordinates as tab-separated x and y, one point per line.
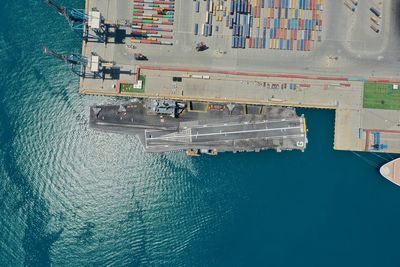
297	53
302	37
317	36
273	24
152	22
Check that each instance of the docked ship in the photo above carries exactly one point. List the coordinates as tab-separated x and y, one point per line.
164	125
391	171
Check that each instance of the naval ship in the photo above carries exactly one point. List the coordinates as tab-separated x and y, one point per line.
391	171
164	125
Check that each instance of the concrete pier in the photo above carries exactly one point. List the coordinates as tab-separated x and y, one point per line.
332	76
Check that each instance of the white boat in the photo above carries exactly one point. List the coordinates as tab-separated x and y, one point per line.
391	171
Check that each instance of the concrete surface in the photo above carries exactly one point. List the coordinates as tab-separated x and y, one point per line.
332	74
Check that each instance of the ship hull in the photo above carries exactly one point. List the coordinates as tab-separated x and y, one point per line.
217	128
391	171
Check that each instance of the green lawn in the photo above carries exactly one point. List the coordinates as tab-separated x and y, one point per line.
381	96
128	87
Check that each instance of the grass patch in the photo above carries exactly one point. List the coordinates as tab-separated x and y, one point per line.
128	87
381	96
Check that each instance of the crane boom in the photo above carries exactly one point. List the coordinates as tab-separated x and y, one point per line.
73	15
60	10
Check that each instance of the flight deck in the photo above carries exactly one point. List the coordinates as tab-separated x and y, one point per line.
219	128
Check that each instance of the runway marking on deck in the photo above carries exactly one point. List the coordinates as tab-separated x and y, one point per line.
236	124
224	133
227	141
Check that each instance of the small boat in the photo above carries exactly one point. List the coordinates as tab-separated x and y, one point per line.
192	153
197	152
391	171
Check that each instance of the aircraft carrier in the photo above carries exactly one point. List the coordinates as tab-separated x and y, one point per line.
203	128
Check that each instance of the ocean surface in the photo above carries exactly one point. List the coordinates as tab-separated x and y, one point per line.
70	196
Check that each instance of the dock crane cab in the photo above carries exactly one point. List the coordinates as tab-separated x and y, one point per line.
93	66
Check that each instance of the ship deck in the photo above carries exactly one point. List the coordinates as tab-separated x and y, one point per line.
391	171
221	130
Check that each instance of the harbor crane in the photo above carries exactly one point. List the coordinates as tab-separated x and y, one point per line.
92	24
94	66
75	17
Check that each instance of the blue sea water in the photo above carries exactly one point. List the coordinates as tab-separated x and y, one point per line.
70	196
